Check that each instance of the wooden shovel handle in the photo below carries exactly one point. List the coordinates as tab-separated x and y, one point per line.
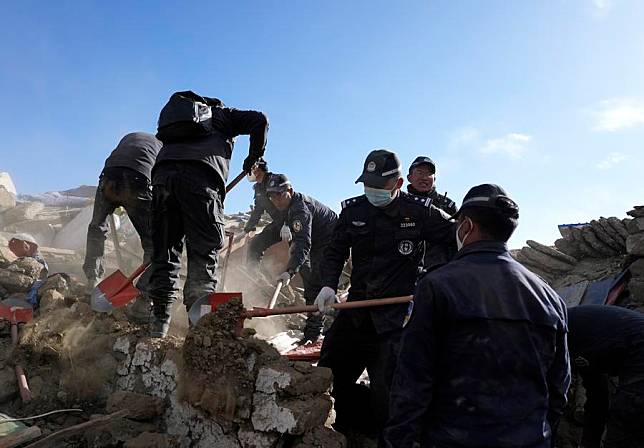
273	301
235	181
264	312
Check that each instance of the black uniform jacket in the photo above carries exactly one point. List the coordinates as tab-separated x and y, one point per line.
387	247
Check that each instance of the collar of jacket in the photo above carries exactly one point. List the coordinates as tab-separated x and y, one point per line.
496	247
428	194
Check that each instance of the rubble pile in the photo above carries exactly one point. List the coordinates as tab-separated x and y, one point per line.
588	251
635	248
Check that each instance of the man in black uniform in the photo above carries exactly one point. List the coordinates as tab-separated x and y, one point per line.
189	185
271	233
311	224
483	360
124	182
609	341
422	182
385	231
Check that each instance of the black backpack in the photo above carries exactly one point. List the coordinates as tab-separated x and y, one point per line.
186	116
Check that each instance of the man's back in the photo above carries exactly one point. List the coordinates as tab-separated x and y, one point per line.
496	358
137	151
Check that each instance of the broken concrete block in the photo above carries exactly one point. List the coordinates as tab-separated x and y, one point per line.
294	416
635	226
15	281
56	282
547	250
140	406
7	200
152	440
24	211
635	244
637	268
8	384
51	300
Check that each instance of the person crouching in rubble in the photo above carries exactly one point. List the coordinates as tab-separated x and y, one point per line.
189	186
271	233
309	225
483	360
609	341
385	231
124	182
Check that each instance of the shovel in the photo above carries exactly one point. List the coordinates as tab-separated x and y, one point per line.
18	311
206	304
117	290
276	294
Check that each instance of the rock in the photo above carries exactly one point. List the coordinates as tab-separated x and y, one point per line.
614	234
637	212
321	438
635	244
293	382
547	250
51	300
249	438
8	385
637	268
140	406
635	226
28	266
636	288
152	440
115	433
7	183
6	257
25	211
294	416
7	200
569	247
14	281
56	282
619	226
543	261
606	237
591	238
583	244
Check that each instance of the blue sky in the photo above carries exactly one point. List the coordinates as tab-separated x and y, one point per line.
542	97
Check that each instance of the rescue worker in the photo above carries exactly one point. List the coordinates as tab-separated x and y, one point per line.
124	182
609	341
422	182
311	224
483	360
385	231
189	186
271	233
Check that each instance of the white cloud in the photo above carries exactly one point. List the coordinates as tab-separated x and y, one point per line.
602	7
619	113
463	136
611	160
512	145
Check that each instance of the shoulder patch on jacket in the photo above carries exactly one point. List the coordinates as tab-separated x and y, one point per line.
353	201
420	200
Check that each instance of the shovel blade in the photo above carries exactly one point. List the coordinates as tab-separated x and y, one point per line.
16	310
209	303
110	293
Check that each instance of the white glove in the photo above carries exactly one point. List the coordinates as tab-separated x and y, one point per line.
286	234
285	278
324	300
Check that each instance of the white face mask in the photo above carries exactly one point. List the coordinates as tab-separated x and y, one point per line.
251	177
460	243
379	197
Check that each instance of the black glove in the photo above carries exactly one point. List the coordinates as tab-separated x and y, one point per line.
249	162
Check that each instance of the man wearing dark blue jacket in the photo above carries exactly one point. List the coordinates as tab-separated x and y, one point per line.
311	225
483	360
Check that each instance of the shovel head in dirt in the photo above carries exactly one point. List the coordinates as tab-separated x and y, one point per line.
115	290
209	303
16	310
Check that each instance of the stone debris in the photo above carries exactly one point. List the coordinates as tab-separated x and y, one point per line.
139	406
635	247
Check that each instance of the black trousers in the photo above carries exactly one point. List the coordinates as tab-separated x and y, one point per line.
119	187
311	277
625	428
350	346
187	209
269	236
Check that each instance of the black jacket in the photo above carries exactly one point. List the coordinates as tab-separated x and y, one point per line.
311	224
262	204
483	361
216	150
438	200
387	247
136	151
